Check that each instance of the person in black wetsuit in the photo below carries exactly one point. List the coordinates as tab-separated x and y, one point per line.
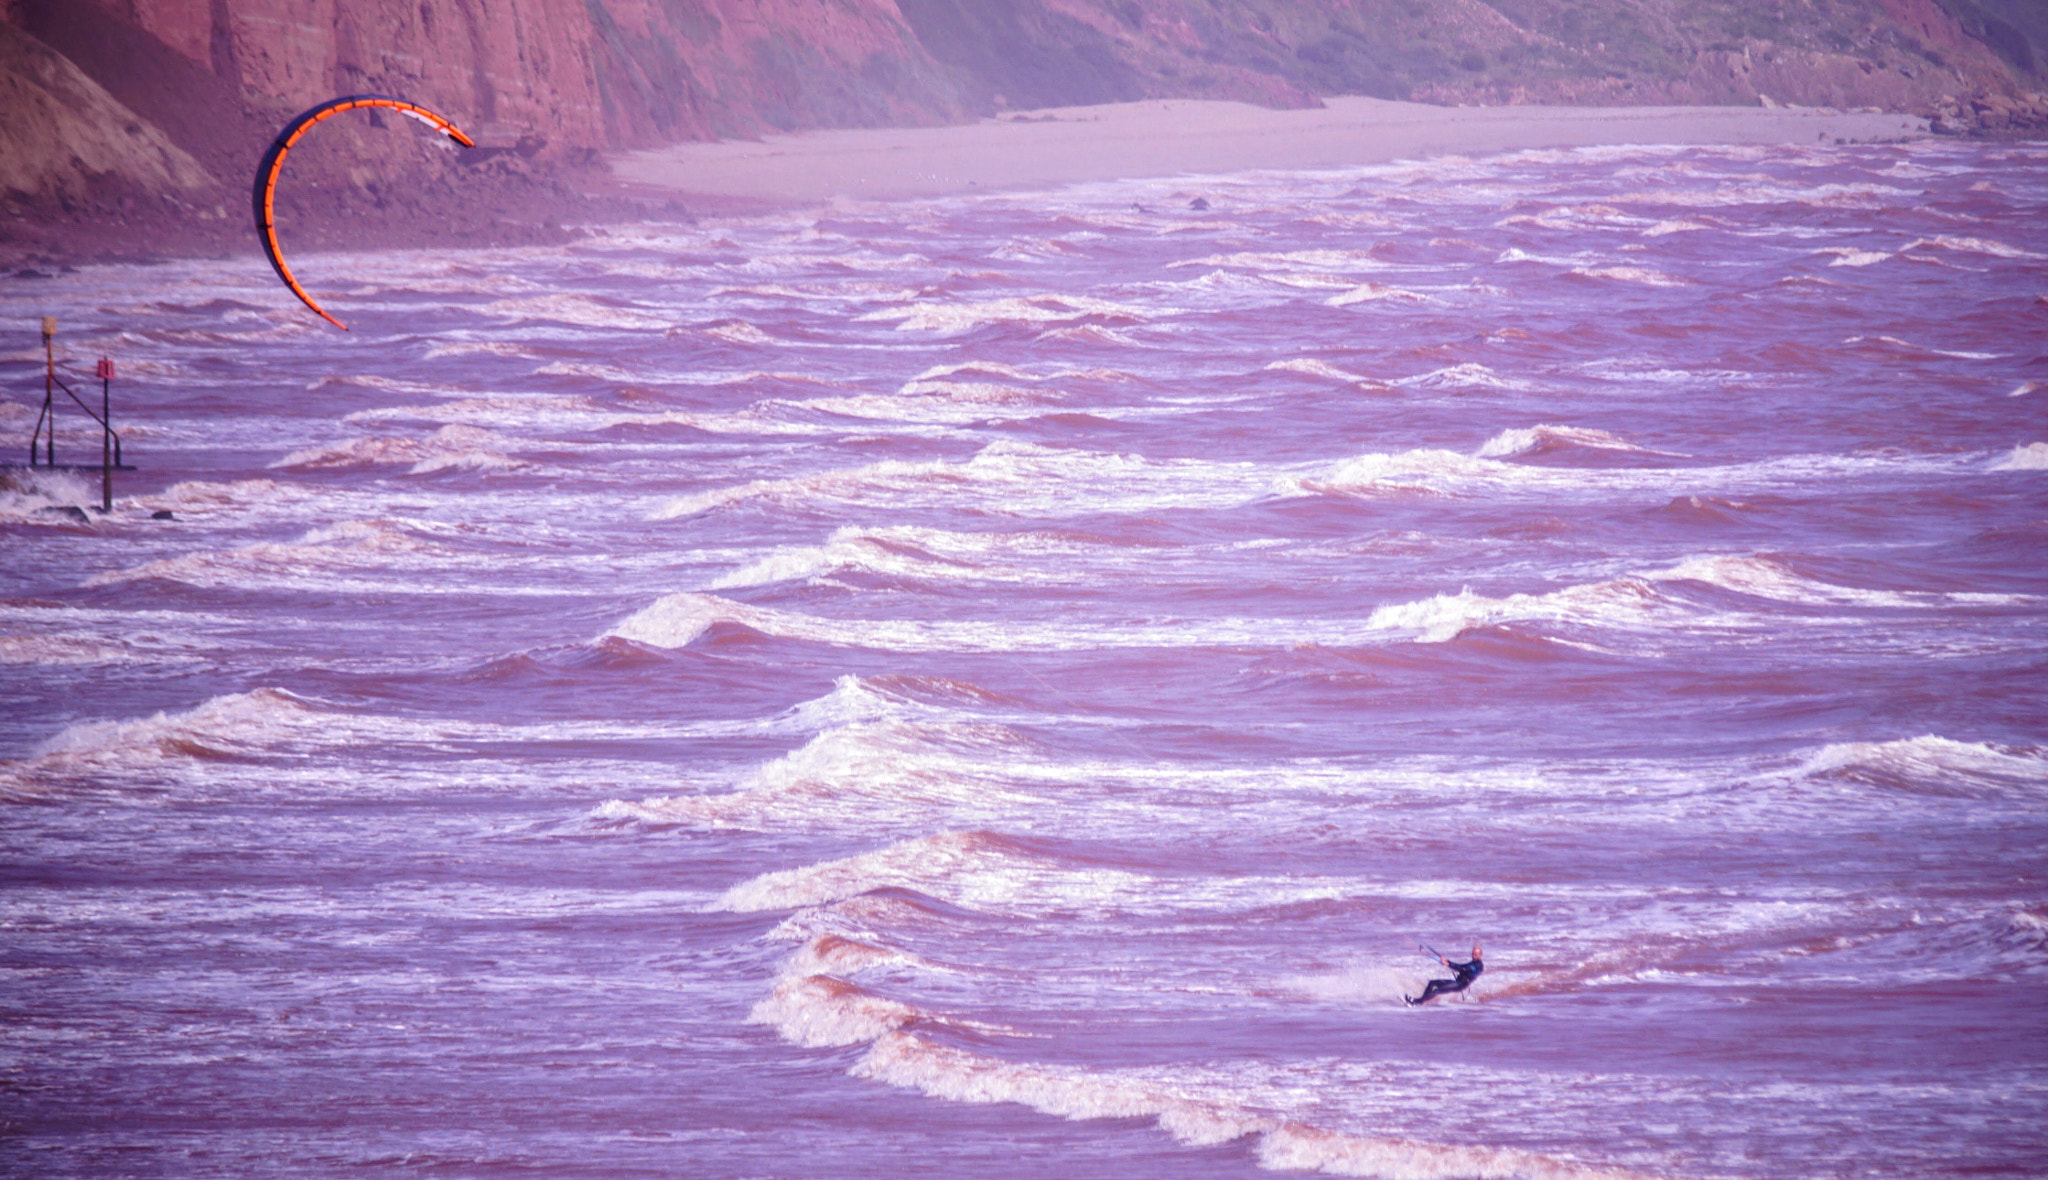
1466	973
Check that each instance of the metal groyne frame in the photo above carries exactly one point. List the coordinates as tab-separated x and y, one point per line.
110	439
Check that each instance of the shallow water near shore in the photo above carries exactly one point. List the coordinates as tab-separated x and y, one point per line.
1005	686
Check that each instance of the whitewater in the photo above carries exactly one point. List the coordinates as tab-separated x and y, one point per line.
1009	685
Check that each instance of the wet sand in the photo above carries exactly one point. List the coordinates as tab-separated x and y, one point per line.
1169	137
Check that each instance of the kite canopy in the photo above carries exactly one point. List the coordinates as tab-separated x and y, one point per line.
273	163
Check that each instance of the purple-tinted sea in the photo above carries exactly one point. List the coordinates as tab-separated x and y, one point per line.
1007	687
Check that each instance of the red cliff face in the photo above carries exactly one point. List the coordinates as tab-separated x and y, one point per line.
522	65
704	69
570	73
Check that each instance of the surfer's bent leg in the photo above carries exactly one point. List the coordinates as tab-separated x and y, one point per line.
1436	986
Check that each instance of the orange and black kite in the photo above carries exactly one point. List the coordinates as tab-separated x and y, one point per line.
273	163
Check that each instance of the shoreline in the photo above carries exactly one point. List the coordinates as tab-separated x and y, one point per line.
1018	151
1158	138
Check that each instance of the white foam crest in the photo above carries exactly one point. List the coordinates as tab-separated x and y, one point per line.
581	310
2026	387
1908	345
750	421
1373	292
1337	260
844	483
1300	1147
465	461
676	620
1760	191
940	864
452	446
480	348
1766	577
991	872
1197	1108
1426	469
1219	286
600	371
204	497
1895	342
353	544
1963	245
1089	334
1522	440
1632	274
790	565
73	647
236	726
902	551
848	549
1636	601
936	401
387	385
858	774
739	332
1517	254
1466	375
1851	256
1626	602
1445	472
985	368
1932	761
831	952
26	493
1071	1092
1011	478
823	1012
1675	226
1309	281
533	411
1358	219
2024	457
952	318
1311	367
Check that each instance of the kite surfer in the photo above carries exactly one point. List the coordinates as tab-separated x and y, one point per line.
1465	974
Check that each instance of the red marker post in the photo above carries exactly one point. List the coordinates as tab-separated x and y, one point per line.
105	372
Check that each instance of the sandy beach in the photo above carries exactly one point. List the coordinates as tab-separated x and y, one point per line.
1171	137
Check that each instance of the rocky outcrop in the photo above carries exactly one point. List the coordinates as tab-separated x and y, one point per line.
1991	115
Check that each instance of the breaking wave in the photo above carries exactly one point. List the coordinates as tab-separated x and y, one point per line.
1934	765
238	727
1197	1111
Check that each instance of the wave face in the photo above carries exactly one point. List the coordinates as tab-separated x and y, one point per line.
1005	685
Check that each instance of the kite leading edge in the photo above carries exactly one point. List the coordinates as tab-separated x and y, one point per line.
273	163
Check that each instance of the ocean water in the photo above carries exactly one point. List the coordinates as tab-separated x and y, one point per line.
1007	687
